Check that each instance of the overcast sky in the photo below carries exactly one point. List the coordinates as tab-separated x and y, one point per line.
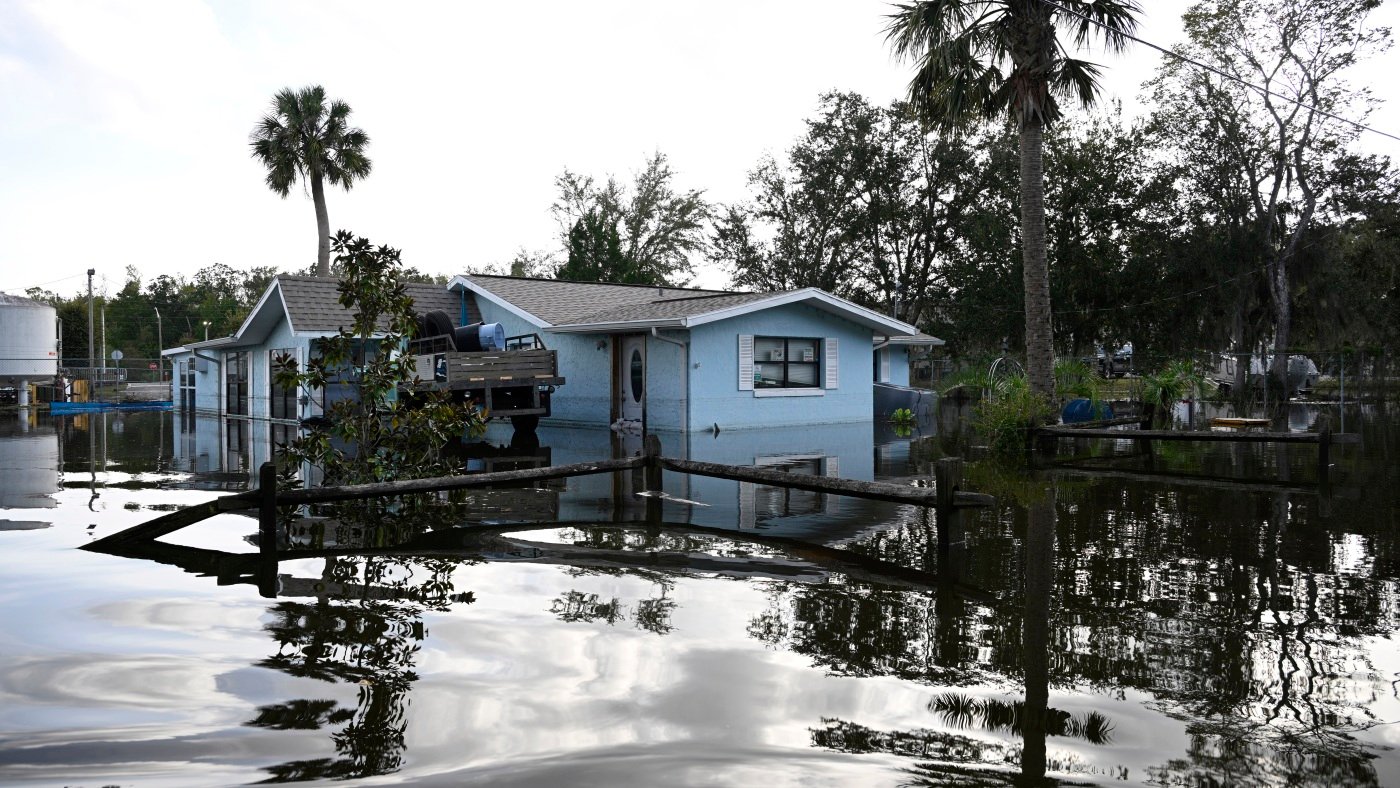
124	125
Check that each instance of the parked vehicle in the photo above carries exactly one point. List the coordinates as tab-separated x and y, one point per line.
506	376
1302	372
1114	364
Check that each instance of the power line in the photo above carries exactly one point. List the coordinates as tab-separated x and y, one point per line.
1153	302
1257	88
54	282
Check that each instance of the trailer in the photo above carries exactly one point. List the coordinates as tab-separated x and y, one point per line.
506	377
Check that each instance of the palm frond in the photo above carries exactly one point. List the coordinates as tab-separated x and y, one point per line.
305	135
1078	79
1110	21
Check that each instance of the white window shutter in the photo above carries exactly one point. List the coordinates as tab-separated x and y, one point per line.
746	362
833	363
885	364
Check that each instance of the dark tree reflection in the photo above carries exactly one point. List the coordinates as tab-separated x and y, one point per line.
365	628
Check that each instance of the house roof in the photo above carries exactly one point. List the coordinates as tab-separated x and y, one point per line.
589	307
552	302
917	339
313	303
311	307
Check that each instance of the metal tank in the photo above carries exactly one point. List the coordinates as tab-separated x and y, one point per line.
28	343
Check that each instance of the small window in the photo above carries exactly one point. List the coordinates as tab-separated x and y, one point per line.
786	363
636	375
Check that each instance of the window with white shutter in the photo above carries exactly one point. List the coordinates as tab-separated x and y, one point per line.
833	363
746	362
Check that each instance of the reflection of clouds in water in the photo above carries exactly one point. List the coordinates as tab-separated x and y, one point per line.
678	763
203	618
104	680
598	688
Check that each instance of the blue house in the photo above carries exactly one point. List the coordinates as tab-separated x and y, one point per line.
232	376
677	359
654	358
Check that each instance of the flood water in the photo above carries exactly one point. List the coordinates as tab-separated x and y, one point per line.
1105	623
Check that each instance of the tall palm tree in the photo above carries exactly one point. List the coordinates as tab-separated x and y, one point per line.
994	58
308	138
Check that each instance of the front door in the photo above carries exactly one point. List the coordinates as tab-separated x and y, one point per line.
629	386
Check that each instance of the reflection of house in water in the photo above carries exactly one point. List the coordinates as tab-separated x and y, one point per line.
844	450
228	452
224	451
29	462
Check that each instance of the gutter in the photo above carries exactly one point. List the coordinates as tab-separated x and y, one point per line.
685	348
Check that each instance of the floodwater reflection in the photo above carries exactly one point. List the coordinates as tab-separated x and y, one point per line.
1113	630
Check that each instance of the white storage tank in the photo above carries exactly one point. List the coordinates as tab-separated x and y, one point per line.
28	343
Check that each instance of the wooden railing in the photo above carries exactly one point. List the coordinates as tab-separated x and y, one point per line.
944	497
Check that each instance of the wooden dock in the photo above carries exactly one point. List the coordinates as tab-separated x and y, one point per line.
1042	440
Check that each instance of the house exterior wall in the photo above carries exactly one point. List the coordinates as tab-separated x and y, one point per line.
665	383
714	388
586	396
260	367
899	365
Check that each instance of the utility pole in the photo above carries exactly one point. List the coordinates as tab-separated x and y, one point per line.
160	346
92	365
104	341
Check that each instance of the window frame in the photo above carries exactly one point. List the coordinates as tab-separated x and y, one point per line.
786	385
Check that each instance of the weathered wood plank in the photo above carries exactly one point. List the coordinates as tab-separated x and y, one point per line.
1101	423
1184	435
1187	480
877	491
174	521
433	484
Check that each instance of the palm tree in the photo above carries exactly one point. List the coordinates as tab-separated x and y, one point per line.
307	137
994	58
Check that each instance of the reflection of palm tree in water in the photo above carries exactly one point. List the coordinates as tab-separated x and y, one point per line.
962	760
348	635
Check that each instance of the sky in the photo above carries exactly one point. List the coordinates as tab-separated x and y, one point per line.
124	125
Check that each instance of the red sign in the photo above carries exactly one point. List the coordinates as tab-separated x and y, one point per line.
153	366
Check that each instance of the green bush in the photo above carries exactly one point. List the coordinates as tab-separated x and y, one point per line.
1005	415
1174	381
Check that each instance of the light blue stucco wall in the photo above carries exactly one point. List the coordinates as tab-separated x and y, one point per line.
585	397
260	367
206	383
695	394
715	394
666	383
209	384
899	365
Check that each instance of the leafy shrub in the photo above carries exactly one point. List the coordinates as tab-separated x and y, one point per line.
373	436
1005	415
1174	381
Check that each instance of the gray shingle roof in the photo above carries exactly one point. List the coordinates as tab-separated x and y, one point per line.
313	302
562	303
672	308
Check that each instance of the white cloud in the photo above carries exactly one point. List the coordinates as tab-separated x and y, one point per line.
123	138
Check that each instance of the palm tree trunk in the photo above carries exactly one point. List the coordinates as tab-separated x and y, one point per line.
1035	272
323	226
1035	635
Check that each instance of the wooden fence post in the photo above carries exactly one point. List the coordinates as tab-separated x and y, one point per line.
651	450
1324	450
267	509
947	479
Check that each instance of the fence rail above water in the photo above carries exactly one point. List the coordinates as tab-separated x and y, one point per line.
944	496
